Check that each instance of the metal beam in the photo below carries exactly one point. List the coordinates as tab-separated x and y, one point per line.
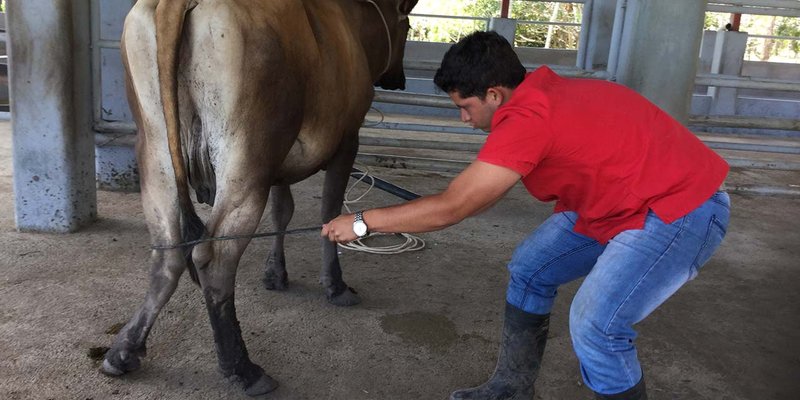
730	121
743	82
760	3
781	12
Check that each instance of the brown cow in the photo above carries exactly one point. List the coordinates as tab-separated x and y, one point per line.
235	97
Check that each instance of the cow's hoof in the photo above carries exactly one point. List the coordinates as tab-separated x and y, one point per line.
275	281
348	297
119	363
254	380
263	385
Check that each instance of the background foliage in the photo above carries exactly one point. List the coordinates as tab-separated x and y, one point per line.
566	37
528	35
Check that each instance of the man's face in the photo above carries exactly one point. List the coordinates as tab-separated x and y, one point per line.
475	111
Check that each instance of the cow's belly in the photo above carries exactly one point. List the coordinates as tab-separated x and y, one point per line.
317	142
332	121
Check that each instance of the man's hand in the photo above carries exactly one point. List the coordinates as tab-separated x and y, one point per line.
340	229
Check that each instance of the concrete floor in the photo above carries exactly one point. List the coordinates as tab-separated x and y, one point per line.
429	322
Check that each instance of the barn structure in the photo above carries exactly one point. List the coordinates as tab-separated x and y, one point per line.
73	134
69	89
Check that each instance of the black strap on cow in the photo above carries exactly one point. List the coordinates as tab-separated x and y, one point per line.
236	237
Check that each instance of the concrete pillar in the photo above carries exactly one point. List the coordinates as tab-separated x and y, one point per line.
54	174
659	45
506	27
727	59
596	32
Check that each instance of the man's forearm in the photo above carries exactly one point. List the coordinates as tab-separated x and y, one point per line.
425	214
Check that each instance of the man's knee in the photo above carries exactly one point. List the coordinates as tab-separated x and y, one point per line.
594	326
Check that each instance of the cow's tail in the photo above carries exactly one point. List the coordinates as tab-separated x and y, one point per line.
169	20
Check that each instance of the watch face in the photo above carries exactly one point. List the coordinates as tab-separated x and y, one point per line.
360	228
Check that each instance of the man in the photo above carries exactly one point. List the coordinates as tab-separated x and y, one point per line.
637	213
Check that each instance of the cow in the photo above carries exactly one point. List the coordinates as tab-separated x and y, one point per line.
237	100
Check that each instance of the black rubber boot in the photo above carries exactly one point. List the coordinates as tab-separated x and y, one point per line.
638	392
521	349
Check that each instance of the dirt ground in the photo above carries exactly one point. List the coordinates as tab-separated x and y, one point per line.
429	322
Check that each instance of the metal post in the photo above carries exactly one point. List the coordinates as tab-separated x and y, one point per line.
583	39
504	8
616	39
736	21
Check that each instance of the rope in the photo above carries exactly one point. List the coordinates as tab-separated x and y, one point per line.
388	36
410	242
370	124
235	237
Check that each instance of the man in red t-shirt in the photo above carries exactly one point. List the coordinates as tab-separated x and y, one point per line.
637	213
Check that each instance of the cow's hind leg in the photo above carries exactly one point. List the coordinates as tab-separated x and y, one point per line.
236	212
159	198
275	276
336	176
129	345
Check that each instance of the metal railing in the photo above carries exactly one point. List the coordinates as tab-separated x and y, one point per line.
783	8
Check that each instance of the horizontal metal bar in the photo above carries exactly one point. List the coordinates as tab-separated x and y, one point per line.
405	162
556	1
419	144
763	190
760	164
760	3
746	82
726	121
750	36
763	148
782	12
464	17
572	72
107	44
413	99
548	23
114	127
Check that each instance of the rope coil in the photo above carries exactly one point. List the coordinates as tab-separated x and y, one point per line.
410	243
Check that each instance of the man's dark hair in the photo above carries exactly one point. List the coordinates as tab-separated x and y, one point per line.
477	62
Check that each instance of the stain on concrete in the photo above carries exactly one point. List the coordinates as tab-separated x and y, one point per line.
434	331
97	353
114	329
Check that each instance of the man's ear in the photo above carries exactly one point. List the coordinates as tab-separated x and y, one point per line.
494	95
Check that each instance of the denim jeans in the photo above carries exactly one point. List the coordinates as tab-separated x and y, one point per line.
626	280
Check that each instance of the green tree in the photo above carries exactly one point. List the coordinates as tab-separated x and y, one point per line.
527	35
444	30
788	27
715	20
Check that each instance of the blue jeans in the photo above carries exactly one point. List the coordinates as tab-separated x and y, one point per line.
626	280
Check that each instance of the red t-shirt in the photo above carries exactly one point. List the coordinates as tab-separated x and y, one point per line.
602	150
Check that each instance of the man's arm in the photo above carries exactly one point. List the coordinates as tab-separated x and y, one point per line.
477	188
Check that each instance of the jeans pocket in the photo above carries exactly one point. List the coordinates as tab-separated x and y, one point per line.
714	235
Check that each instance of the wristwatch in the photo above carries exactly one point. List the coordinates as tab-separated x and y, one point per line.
359	226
